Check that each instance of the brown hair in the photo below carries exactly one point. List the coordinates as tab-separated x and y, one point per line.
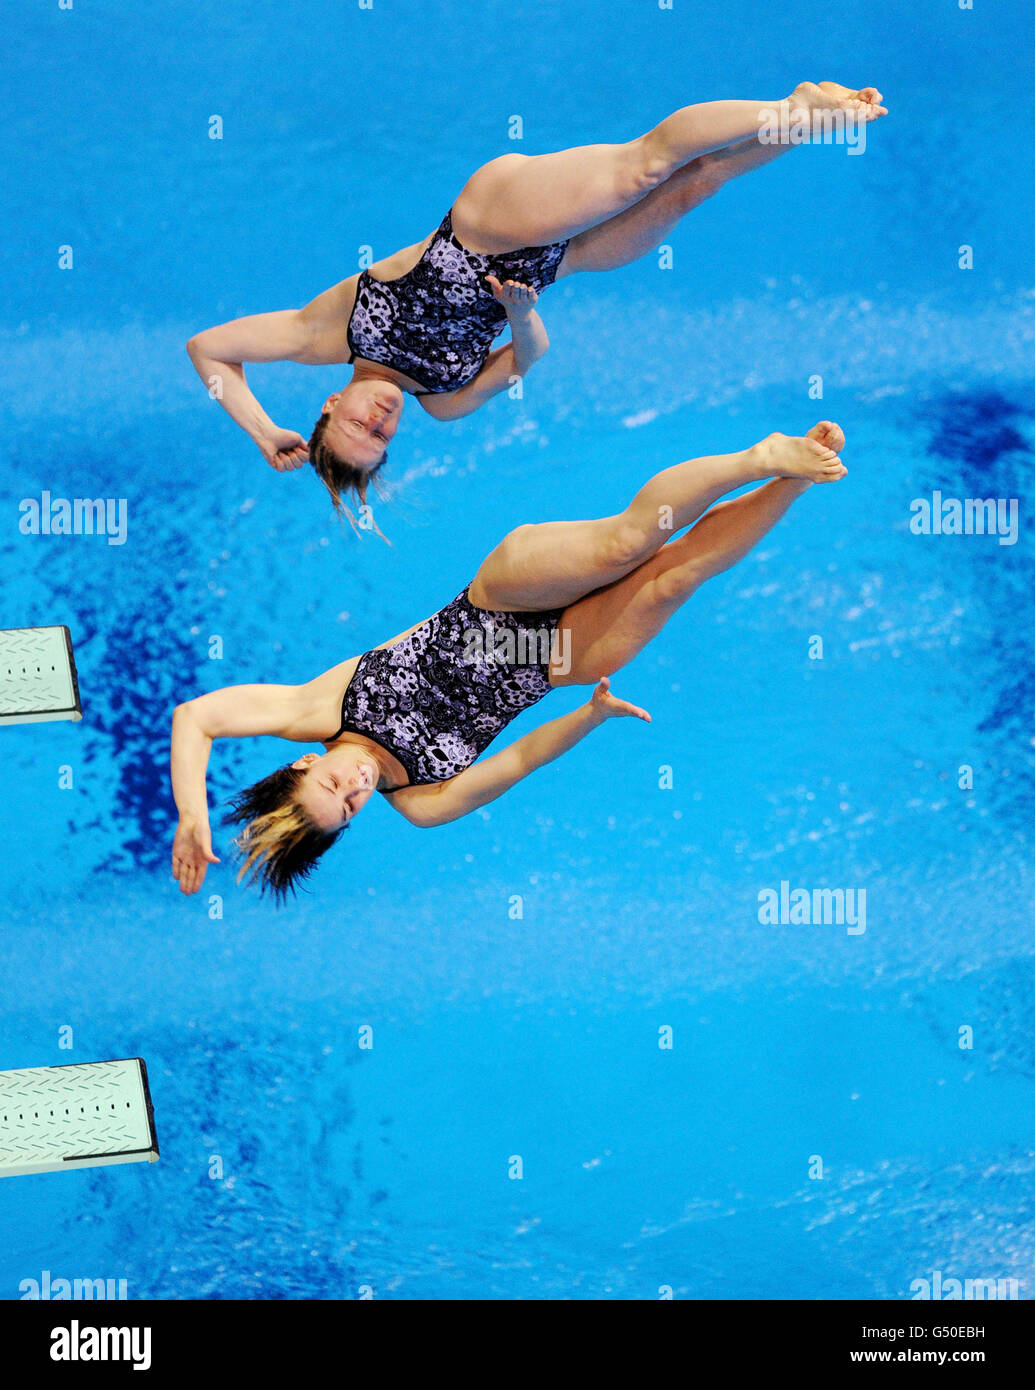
279	842
338	475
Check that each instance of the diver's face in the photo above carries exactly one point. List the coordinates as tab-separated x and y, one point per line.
337	785
364	417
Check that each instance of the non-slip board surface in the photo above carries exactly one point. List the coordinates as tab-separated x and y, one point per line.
76	1116
38	680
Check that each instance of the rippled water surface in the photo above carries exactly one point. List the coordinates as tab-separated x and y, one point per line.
644	1167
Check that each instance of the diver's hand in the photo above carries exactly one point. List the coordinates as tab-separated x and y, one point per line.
608	706
192	854
284	450
515	298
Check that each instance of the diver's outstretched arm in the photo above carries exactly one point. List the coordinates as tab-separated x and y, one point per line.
192	847
237	711
484	781
219	355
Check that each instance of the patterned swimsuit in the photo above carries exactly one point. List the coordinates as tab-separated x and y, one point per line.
437	322
439	697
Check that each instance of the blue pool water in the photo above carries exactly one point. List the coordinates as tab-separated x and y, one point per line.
644	1167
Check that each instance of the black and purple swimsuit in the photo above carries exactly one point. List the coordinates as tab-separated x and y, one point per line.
437	322
437	698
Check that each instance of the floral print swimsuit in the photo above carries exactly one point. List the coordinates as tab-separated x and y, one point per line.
436	324
438	698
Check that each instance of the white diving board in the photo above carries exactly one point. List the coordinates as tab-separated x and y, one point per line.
76	1116
38	680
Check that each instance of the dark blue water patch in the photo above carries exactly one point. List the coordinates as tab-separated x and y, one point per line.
135	612
311	1211
977	430
981	449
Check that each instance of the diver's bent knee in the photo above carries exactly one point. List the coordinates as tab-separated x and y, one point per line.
673	585
695	189
628	543
643	178
649	168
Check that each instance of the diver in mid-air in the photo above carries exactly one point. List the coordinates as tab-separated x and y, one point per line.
558	603
422	321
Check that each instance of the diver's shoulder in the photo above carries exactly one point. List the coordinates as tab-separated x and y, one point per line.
326	319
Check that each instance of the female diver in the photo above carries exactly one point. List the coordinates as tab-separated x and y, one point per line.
422	321
560	603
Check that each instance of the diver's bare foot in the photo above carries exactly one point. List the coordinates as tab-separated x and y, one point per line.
828	434
867	100
811	458
831	96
